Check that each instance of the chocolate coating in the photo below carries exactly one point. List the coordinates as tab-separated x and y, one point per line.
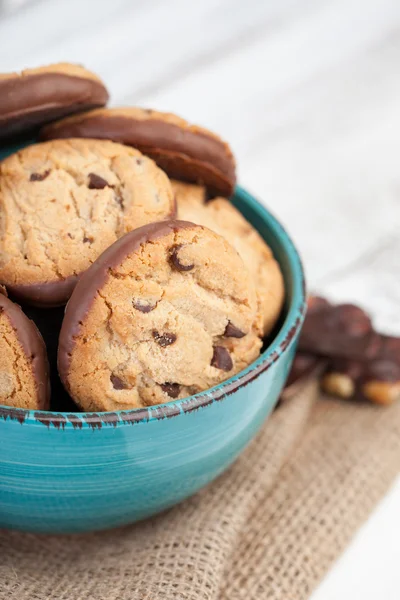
51	294
183	154
95	277
29	101
33	346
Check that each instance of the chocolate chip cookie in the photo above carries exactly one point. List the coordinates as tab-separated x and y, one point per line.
185	152
24	371
169	310
221	216
63	202
36	96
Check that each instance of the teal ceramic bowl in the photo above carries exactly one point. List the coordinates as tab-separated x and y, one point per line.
75	472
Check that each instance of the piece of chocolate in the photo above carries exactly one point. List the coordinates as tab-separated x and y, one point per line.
344	330
164	339
36	96
96	182
185	152
39	176
172	389
177	262
232	331
221	359
117	382
143	306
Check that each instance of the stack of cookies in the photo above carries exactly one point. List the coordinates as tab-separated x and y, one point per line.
121	215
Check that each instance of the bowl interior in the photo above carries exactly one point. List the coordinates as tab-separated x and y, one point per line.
287	327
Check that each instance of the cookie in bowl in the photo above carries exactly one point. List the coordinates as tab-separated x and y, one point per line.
168	311
63	202
222	217
24	369
185	152
34	97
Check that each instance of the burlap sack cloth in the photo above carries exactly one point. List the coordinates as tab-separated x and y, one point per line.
269	528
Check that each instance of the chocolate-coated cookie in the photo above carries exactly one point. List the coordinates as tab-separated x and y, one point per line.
184	151
223	218
63	202
24	370
36	96
167	311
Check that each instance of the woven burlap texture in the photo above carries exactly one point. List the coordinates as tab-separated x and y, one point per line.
269	528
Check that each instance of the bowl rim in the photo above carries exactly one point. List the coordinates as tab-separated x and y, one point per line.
279	345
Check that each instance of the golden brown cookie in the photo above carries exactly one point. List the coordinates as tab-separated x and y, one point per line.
63	202
221	216
184	151
36	96
169	310
24	371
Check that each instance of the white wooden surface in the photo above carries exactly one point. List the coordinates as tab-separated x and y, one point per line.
308	93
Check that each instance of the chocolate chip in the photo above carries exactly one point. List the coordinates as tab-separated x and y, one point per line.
143	307
172	389
39	176
139	161
175	259
163	339
118	384
70	236
232	331
96	182
87	240
221	359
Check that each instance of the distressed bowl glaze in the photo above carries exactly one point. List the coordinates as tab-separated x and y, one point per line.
77	472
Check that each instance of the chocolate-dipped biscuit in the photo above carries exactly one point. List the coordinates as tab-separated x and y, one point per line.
36	96
66	201
139	331
185	152
222	217
24	370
